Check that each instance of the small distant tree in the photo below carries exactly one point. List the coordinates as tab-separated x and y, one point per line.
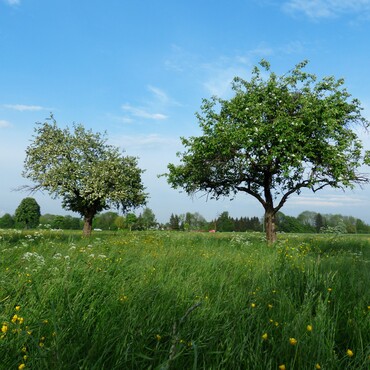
276	136
224	222
80	167
130	220
105	221
7	221
27	215
119	222
174	223
319	222
148	219
362	227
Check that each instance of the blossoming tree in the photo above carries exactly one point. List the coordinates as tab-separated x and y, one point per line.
274	137
81	168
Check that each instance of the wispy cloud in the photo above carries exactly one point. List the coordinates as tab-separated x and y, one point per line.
145	142
344	200
219	79
141	112
158	101
4	123
25	108
316	9
12	2
159	94
215	75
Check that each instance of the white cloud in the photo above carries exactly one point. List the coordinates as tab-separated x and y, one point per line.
4	123
316	9
159	94
12	2
333	201
25	108
141	112
144	142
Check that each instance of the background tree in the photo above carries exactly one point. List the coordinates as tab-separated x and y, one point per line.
130	220
320	222
194	221
105	221
274	137
289	224
308	218
174	223
7	221
27	215
119	222
148	219
224	222
81	168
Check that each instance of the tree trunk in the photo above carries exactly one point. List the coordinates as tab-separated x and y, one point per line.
87	225
270	227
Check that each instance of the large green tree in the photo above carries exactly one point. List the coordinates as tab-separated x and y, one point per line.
27	215
274	137
82	169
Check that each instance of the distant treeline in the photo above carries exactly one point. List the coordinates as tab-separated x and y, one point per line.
306	222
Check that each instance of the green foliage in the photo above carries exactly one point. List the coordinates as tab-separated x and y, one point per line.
224	222
275	136
27	215
67	222
182	301
289	224
7	221
105	221
147	219
88	174
174	223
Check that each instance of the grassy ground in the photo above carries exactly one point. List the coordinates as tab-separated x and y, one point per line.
163	300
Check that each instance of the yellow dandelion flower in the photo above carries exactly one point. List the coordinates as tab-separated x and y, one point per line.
21	366
17	308
4	328
41	344
270	306
330	289
317	366
282	367
253	305
14	318
309	327
20	320
265	336
349	353
293	341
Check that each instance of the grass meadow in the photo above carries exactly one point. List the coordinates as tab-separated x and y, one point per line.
172	300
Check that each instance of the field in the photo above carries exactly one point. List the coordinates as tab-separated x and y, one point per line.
171	300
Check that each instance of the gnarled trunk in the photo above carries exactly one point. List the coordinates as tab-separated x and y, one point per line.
270	227
88	225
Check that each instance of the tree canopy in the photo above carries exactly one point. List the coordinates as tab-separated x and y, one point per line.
81	168
27	215
274	137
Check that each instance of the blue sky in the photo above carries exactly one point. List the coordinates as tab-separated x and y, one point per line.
139	70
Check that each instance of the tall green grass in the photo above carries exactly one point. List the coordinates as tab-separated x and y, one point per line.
161	300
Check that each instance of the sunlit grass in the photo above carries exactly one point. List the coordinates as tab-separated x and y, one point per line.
183	301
